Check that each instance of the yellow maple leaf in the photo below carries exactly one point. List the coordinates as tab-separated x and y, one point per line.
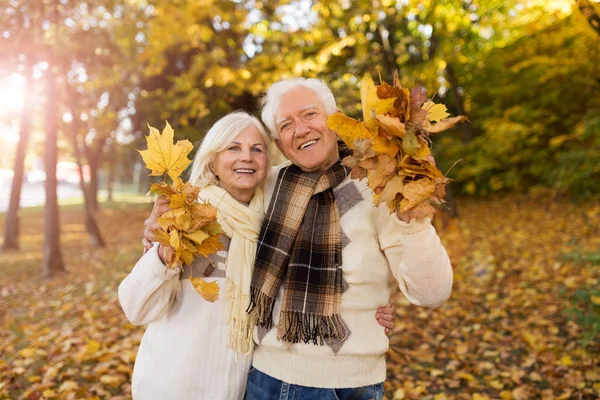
435	112
162	156
208	290
368	97
348	129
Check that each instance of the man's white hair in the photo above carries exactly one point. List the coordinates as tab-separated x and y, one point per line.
270	103
222	133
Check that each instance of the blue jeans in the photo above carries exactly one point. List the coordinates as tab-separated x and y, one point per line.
263	387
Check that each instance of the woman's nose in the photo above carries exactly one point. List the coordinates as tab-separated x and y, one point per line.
246	155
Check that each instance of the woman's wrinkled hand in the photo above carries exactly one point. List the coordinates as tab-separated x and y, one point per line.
161	206
385	317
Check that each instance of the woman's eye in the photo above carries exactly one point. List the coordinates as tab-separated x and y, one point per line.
257	150
233	148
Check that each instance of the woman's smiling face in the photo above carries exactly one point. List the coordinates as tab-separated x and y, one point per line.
242	166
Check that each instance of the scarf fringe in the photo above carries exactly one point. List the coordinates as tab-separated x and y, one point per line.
261	308
241	325
296	327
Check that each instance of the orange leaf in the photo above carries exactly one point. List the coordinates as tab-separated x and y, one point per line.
208	290
210	245
446	124
392	126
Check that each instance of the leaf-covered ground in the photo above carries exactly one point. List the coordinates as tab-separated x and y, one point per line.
504	333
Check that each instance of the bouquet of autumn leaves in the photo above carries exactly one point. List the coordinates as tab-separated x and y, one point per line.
391	146
190	228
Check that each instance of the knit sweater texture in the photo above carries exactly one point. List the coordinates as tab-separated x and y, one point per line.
378	252
184	352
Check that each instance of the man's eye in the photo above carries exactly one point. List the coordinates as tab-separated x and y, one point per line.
311	114
285	126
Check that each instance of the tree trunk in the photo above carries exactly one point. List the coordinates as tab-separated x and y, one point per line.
53	262
389	57
94	155
93	186
91	224
466	132
111	182
11	224
112	170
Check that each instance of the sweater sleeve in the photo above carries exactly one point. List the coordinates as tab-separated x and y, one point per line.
417	258
147	293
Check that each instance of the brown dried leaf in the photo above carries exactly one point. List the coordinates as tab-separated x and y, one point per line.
416	192
202	214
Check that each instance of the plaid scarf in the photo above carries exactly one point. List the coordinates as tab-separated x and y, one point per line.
300	245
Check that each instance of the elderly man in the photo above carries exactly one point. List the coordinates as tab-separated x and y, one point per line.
326	259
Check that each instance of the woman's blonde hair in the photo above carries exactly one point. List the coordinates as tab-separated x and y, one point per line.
218	137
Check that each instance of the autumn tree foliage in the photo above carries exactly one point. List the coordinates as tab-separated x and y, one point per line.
479	58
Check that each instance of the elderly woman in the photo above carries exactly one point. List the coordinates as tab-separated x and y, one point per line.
194	349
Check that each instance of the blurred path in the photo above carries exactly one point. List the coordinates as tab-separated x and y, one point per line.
33	194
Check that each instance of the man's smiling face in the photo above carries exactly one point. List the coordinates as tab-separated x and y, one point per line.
304	138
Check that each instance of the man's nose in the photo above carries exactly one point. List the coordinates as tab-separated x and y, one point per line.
301	128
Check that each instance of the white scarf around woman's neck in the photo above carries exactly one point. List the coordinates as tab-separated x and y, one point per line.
241	223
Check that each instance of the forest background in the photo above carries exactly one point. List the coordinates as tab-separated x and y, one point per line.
80	81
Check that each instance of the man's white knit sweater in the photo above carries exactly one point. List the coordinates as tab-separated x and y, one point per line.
376	248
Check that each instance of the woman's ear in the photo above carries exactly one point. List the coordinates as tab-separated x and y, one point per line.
212	170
